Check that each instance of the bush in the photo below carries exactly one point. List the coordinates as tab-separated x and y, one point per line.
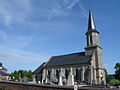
114	81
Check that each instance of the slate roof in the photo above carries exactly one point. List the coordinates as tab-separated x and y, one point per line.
3	74
40	68
69	59
3	68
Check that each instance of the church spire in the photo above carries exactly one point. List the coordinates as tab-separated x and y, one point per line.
91	23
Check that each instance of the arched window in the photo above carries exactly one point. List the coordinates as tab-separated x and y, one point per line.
66	73
77	74
49	72
57	74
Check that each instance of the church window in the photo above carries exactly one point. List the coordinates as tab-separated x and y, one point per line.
49	74
87	40
91	42
57	74
66	73
77	74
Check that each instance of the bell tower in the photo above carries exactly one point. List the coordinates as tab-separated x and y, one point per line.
93	48
92	34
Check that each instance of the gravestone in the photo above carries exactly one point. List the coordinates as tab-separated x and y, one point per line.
60	80
20	79
70	80
34	79
25	79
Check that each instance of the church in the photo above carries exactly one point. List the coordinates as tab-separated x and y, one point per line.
81	67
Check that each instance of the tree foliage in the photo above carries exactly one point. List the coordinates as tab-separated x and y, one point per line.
114	81
109	77
117	71
114	78
21	74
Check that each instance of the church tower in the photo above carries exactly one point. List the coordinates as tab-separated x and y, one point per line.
93	48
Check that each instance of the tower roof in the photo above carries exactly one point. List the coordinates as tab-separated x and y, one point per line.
91	23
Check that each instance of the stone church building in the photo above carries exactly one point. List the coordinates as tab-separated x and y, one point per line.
82	67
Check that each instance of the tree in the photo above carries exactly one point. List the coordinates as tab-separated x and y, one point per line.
14	75
106	74
29	74
114	81
117	72
22	74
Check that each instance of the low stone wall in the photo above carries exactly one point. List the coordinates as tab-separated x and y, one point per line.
24	86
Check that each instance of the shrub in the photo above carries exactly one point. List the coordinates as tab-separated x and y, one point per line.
114	81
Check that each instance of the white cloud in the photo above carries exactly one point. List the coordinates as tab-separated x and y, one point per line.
72	4
23	15
14	41
83	10
21	11
16	57
16	61
20	42
3	36
14	10
63	7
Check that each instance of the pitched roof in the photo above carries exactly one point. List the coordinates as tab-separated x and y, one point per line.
40	68
74	58
3	73
3	68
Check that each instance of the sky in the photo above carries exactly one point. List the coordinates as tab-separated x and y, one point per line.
31	31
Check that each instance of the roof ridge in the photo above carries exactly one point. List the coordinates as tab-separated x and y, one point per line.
69	54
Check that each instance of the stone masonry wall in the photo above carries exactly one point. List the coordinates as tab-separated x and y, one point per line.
23	86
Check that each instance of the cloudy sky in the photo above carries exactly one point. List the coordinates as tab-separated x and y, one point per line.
31	31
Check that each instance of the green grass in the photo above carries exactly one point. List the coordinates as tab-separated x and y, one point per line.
3	88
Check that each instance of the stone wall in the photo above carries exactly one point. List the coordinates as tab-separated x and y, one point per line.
23	86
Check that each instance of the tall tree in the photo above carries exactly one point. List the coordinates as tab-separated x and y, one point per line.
22	74
29	74
117	71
